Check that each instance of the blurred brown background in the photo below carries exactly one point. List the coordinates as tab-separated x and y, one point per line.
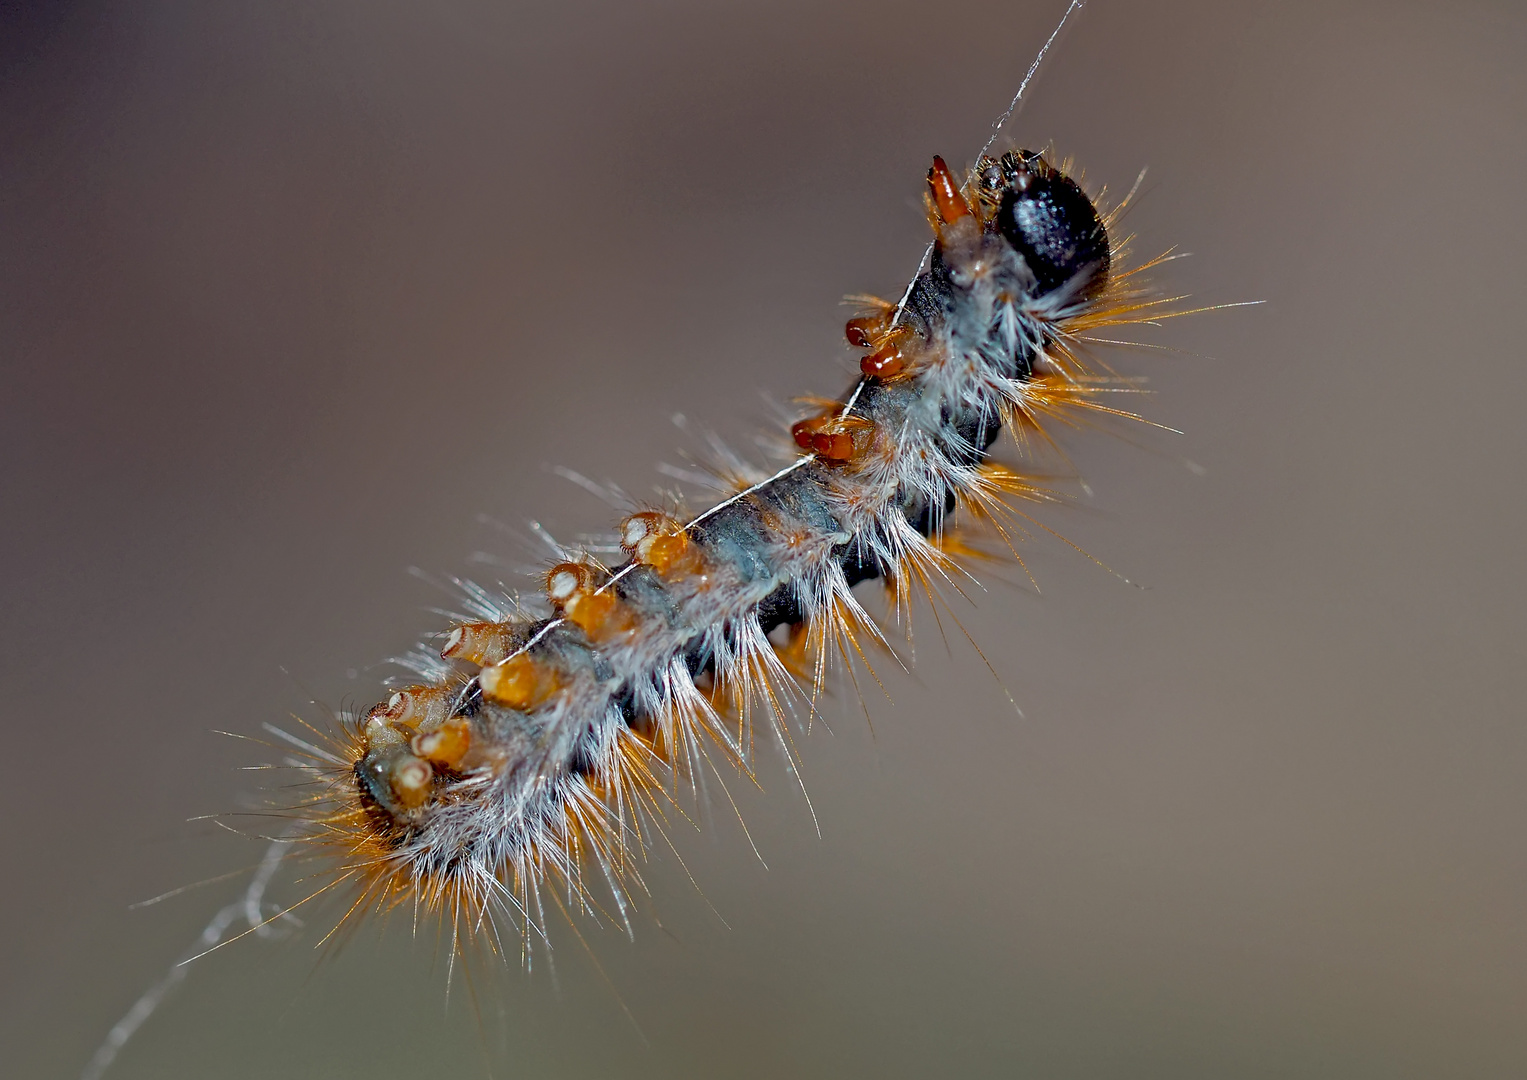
292	293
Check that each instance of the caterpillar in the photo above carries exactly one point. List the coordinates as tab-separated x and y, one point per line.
540	750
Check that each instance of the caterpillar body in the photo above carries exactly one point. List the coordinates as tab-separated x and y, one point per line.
539	752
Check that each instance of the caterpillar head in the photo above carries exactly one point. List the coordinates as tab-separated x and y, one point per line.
1049	220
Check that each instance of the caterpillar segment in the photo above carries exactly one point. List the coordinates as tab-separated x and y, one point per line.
547	751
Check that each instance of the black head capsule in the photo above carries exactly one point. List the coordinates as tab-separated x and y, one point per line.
1053	225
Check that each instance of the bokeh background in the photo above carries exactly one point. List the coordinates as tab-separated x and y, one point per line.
294	295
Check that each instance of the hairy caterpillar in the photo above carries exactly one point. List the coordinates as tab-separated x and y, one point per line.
537	755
